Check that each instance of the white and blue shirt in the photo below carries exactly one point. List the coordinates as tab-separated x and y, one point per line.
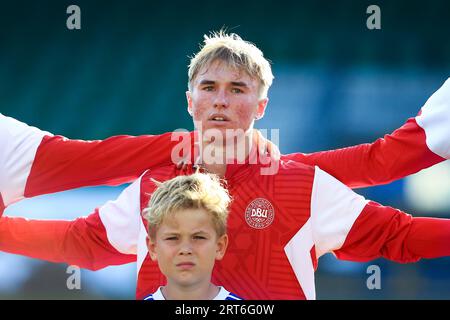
223	294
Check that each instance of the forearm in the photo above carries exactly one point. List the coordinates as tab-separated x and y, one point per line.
33	238
59	241
381	231
429	237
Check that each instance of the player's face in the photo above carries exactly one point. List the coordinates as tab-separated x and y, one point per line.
225	98
186	247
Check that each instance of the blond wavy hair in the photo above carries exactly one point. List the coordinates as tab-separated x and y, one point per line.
196	191
235	52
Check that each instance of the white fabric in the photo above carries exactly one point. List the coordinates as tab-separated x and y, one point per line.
222	295
156	296
435	120
142	246
18	145
122	219
298	252
334	209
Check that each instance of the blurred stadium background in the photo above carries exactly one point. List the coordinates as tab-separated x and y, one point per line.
125	72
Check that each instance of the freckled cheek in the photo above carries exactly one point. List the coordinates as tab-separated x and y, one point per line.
244	114
200	112
200	107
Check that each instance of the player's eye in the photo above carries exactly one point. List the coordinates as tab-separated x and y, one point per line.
199	237
171	238
236	90
208	88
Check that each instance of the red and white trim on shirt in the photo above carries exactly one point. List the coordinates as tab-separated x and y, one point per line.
434	118
18	143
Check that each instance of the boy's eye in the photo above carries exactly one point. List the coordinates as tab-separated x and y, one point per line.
208	88
236	90
199	237
171	238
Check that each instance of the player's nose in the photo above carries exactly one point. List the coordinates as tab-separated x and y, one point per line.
221	99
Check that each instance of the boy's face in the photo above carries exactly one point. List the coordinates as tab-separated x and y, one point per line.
225	98
186	246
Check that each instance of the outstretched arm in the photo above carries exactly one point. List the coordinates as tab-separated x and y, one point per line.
34	162
356	229
106	237
82	242
420	143
386	232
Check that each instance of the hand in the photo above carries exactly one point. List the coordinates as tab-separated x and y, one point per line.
266	146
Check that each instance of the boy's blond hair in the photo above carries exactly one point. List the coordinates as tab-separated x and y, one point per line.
196	191
237	53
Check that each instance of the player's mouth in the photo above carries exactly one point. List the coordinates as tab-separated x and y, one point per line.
219	118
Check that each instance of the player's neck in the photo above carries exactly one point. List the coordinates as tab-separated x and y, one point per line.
216	155
203	291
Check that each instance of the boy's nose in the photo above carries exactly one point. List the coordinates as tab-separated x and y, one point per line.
186	248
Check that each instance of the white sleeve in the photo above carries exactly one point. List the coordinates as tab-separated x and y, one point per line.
334	209
435	120
122	219
18	145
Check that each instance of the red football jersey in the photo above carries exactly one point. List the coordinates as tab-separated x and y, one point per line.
279	225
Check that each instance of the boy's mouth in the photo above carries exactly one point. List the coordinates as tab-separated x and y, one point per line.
185	265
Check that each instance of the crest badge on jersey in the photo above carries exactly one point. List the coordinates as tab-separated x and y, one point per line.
259	213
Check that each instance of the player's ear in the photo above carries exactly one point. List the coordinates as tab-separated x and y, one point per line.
262	104
222	244
189	101
151	245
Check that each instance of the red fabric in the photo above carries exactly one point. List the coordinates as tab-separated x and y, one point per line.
62	164
255	265
387	232
82	242
395	156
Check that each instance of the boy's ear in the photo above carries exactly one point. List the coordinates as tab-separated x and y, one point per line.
222	244
151	248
